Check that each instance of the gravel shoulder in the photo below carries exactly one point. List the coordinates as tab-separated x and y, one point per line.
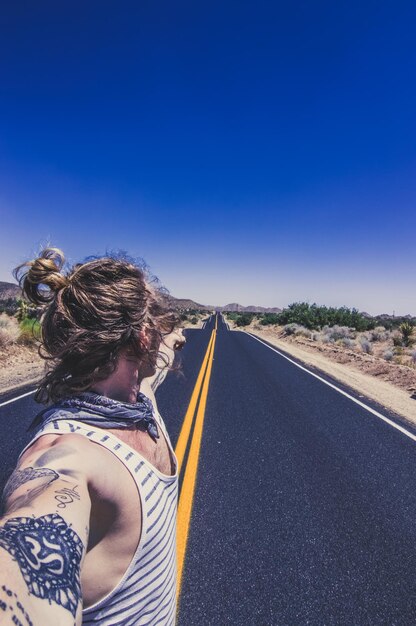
20	365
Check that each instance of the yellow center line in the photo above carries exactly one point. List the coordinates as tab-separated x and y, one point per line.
188	419
189	480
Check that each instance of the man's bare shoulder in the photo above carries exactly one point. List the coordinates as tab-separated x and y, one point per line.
57	446
72	452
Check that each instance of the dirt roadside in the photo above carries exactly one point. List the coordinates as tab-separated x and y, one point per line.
19	366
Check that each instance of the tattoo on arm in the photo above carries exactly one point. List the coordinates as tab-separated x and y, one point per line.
10	603
43	477
20	477
49	555
66	496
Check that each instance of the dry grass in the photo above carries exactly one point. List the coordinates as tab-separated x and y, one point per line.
9	330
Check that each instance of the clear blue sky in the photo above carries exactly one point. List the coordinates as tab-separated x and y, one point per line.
258	152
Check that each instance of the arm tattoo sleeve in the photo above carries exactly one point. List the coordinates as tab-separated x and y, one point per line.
20	477
10	605
49	555
66	496
40	480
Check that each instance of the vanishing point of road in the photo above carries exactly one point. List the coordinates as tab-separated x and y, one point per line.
297	503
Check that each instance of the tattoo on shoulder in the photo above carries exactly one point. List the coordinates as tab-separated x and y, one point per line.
20	477
10	603
49	555
41	478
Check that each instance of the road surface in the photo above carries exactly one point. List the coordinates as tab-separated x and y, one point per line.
303	504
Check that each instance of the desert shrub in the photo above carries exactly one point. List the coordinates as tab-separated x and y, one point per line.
347	342
194	320
30	331
290	329
270	318
244	319
316	337
397	338
388	355
366	346
378	333
413	357
298	330
407	333
303	332
334	333
9	330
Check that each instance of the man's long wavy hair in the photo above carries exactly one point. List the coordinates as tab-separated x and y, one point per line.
91	313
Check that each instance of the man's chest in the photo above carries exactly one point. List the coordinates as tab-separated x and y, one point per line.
157	453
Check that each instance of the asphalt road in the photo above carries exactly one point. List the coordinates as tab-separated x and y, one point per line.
305	505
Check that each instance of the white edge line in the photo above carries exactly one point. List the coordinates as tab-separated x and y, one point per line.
344	393
18	398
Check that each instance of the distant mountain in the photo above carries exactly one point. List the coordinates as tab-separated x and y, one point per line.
183	304
9	290
239	308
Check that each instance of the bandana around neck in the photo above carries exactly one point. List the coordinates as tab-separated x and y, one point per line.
103	412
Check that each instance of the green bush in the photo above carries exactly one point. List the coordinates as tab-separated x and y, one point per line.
244	319
30	331
270	318
407	333
316	317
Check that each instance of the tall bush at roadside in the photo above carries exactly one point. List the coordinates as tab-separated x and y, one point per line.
244	319
315	317
407	331
30	331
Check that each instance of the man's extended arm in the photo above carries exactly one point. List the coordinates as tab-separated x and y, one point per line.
43	537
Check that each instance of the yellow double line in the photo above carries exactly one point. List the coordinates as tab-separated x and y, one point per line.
189	480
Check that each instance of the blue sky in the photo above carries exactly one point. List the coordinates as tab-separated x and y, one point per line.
258	152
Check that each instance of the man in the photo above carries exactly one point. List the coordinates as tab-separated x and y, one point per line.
88	532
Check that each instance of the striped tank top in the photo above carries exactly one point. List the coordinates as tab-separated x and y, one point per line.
146	595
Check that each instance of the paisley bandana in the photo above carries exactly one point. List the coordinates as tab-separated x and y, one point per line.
103	412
